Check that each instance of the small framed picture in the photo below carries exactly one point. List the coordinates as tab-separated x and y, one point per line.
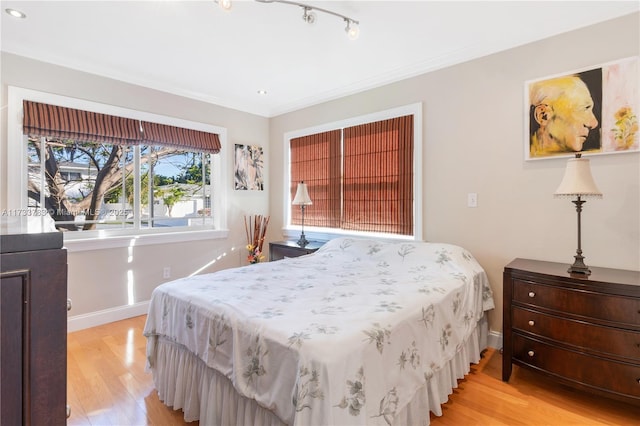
249	167
591	111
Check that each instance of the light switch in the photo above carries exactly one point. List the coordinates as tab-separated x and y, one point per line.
472	199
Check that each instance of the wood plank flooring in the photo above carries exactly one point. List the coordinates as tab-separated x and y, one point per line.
108	385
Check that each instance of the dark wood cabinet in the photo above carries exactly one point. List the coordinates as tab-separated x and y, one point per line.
582	331
33	330
281	249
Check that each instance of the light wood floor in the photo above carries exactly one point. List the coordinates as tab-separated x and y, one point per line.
108	386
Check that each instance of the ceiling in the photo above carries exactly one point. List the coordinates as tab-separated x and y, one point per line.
196	49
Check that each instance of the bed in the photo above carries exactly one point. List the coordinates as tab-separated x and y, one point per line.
360	332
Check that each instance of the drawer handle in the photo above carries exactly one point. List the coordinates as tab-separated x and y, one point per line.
532	294
531	353
532	322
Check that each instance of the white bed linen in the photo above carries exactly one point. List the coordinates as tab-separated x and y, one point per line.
352	334
184	382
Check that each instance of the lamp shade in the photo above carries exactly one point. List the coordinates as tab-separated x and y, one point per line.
302	196
577	180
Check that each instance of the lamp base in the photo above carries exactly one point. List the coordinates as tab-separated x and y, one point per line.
302	241
579	267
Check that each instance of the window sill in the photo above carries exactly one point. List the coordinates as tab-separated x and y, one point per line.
327	234
102	243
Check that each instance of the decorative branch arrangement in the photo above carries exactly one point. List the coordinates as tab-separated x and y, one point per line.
255	228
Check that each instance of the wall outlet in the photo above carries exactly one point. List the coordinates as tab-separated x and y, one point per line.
472	199
166	272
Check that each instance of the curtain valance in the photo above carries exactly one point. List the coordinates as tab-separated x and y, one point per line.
179	137
62	122
44	120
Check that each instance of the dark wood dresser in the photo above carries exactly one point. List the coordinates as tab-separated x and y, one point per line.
584	332
33	329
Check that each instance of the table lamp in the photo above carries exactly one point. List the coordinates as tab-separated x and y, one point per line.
578	182
302	199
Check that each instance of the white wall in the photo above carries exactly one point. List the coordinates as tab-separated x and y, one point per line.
98	279
473	125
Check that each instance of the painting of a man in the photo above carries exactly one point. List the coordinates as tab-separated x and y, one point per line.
564	114
594	111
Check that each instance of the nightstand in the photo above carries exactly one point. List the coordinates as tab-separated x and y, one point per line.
281	249
581	331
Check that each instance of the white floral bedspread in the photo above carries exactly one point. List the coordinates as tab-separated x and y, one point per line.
342	336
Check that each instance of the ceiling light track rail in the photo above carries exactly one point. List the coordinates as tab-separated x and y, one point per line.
352	28
311	8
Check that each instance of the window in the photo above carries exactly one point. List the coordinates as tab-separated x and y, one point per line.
361	175
173	185
107	175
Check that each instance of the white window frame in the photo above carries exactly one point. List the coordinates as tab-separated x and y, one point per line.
92	240
317	233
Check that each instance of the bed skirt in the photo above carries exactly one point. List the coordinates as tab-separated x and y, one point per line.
184	382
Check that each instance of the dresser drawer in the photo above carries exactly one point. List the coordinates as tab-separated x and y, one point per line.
608	376
615	309
607	340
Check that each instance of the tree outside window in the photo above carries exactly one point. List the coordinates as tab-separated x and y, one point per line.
93	186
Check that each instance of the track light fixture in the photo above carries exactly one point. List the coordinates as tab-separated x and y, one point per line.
352	29
308	15
224	4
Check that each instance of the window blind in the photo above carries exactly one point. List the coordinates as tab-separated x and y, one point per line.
360	178
44	120
179	137
316	160
378	176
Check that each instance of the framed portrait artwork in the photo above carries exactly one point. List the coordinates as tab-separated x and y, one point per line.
249	167
592	111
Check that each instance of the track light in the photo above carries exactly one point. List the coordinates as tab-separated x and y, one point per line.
224	4
308	16
352	29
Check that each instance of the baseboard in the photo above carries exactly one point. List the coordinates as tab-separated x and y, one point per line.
494	339
93	319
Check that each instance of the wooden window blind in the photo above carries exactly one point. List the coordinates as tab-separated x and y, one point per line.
179	137
378	177
360	178
316	160
44	120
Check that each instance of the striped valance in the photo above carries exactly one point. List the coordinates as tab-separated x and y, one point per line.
62	122
44	120
179	137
